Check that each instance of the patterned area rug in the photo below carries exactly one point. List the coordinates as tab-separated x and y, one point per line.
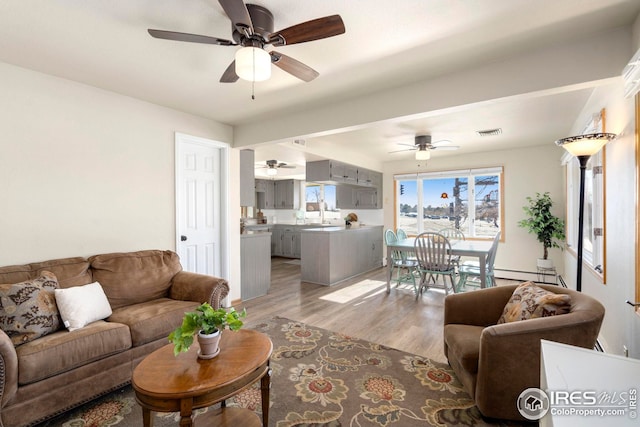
323	378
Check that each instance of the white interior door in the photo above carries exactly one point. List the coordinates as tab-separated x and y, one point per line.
198	204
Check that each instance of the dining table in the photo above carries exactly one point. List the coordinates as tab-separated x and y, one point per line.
468	248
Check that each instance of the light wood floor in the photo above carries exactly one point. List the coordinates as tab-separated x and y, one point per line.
359	307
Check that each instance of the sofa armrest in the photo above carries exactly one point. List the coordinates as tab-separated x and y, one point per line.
478	308
8	369
509	359
187	286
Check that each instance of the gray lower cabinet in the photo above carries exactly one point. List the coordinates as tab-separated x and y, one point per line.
255	264
285	241
331	255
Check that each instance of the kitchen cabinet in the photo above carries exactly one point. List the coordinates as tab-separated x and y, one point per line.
333	254
265	194
350	197
291	243
366	198
335	172
255	261
286	239
276	241
247	178
356	188
331	171
287	194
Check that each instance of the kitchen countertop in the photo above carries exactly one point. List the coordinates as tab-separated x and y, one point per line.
334	229
250	233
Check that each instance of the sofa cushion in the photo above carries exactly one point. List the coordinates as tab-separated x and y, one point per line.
69	271
152	320
81	305
63	351
28	309
463	342
530	301
135	277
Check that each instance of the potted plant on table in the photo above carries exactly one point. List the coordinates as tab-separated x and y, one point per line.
548	228
208	323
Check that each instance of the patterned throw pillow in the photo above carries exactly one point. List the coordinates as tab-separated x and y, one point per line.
530	301
28	309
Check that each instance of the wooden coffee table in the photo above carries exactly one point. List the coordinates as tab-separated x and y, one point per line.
165	383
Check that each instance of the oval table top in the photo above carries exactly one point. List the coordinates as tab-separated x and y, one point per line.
163	375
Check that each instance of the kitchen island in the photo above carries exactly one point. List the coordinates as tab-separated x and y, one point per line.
330	255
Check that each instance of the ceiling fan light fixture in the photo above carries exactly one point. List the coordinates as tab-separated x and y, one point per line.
272	171
423	154
253	64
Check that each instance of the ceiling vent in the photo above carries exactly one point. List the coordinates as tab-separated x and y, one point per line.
489	132
300	142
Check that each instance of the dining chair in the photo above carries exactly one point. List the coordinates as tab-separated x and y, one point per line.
453	234
400	262
433	252
401	234
469	271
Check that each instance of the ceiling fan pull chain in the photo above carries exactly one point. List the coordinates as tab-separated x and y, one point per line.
253	81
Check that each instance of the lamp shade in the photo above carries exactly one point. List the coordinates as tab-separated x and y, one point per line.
585	145
253	64
423	154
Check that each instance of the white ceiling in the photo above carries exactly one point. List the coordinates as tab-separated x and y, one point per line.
387	44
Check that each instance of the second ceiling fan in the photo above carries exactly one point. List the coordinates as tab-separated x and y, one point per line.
252	28
423	144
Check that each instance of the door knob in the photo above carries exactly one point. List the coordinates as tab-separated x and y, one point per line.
183	238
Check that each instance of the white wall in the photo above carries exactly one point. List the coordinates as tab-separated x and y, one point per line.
621	326
526	171
85	171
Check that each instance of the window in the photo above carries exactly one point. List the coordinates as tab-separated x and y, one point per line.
594	209
320	202
469	200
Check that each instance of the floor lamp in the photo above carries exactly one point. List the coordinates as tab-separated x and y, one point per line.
583	147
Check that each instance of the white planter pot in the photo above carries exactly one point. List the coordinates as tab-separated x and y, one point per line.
545	263
209	345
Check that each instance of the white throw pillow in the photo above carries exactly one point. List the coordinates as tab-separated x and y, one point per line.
81	305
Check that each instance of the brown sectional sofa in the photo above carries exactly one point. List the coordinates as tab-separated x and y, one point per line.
148	293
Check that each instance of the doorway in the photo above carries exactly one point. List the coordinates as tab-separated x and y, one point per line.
201	198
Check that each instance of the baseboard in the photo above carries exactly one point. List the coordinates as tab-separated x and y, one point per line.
525	276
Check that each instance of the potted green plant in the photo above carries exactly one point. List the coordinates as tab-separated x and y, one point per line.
548	228
208	323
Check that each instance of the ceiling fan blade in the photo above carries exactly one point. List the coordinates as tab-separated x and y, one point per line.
440	143
445	147
238	13
293	67
186	37
229	75
315	29
405	149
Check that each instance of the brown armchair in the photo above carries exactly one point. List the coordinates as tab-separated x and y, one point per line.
496	362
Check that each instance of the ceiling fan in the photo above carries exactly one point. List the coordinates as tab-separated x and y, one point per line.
252	28
273	166
423	145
